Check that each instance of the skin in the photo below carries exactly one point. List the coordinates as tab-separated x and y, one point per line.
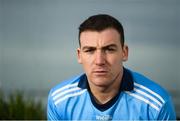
102	55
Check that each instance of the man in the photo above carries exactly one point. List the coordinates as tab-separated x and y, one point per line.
107	90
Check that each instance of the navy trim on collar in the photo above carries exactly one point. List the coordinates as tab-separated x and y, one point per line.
83	83
126	85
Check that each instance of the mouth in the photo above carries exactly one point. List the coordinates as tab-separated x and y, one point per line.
100	72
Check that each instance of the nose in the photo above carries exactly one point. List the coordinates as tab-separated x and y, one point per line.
100	58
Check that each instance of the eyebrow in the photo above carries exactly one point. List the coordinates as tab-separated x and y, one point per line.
104	47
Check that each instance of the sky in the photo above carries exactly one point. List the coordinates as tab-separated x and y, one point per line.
39	38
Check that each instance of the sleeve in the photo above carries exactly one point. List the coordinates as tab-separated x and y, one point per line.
52	113
167	112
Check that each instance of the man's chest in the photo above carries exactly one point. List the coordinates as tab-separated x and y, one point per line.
82	108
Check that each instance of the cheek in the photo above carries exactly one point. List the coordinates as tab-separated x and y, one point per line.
115	63
87	63
87	59
115	60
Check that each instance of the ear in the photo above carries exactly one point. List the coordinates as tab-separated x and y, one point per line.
79	56
125	53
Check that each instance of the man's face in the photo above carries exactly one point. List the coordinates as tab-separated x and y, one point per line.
101	55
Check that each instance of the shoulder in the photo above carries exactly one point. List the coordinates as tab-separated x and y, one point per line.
152	95
65	90
149	86
59	93
149	92
64	86
73	81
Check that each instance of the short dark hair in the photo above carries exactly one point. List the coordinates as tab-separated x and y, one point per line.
101	22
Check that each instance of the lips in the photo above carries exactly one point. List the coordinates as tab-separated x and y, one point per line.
100	72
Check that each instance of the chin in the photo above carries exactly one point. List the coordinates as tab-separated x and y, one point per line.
101	82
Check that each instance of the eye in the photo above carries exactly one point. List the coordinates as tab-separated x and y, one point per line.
89	50
110	49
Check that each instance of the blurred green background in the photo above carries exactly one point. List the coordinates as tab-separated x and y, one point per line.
16	107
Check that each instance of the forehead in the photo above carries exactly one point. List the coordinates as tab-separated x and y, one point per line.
94	38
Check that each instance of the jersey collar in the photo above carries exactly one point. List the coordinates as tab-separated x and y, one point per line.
126	83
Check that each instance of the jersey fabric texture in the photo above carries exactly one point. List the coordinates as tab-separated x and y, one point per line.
138	99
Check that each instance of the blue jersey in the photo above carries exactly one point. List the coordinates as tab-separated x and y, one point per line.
138	99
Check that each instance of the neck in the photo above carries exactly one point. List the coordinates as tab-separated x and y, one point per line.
103	94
